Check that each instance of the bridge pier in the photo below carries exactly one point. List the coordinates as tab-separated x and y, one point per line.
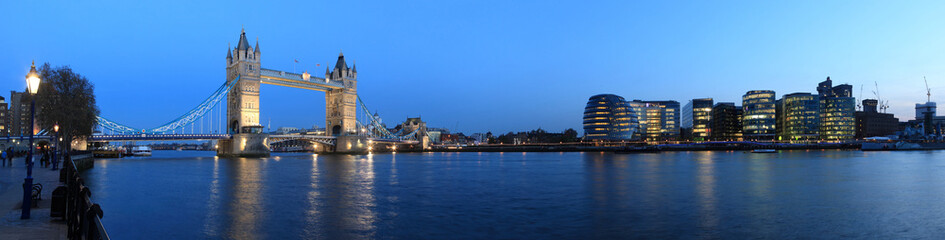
352	144
244	145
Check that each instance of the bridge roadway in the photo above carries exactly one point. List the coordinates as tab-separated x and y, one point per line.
295	80
174	137
157	137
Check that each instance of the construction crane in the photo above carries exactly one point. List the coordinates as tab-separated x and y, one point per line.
928	91
883	105
859	100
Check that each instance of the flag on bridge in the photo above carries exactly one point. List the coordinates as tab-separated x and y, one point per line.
296	61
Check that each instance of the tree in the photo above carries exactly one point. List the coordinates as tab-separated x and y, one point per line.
68	99
570	135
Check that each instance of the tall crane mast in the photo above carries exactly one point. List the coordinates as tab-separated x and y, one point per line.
883	105
928	91
859	105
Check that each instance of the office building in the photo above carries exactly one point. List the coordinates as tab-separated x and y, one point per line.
608	117
19	110
696	118
872	123
4	114
659	120
758	115
837	105
922	110
798	117
726	122
925	114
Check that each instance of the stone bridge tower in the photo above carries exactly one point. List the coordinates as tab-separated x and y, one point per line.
341	104
242	110
243	99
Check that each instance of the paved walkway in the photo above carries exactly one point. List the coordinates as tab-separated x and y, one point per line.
40	225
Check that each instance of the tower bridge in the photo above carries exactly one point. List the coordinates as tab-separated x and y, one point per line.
349	125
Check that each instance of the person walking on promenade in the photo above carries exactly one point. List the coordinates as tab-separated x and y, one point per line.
42	158
3	156
10	156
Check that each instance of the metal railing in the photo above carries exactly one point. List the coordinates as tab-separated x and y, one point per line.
84	218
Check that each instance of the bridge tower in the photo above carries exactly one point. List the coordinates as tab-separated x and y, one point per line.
341	104
242	110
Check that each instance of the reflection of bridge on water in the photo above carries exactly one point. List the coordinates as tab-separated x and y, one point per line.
350	125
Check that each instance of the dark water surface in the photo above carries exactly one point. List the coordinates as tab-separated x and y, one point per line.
795	194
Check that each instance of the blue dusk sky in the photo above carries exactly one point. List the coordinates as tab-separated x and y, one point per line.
477	66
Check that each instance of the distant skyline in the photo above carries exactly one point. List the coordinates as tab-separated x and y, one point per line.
480	66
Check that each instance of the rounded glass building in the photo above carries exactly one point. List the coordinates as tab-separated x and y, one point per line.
608	117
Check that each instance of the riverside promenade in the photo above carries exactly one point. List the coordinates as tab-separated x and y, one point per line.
40	225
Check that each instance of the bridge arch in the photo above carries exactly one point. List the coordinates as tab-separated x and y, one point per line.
234	127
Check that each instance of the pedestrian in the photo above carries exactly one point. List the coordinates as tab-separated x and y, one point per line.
3	155
10	155
47	158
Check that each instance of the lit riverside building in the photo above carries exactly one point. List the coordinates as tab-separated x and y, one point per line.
659	120
644	112
872	123
758	115
798	117
837	106
696	116
609	117
726	122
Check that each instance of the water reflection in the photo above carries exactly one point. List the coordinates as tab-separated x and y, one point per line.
760	183
706	187
671	195
211	224
312	199
609	190
244	209
346	198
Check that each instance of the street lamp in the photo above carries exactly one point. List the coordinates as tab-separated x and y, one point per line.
55	161
32	84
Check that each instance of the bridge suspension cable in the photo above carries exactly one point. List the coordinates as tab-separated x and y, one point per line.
189	118
374	122
379	130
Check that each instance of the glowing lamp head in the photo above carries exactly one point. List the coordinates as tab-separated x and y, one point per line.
56	127
32	80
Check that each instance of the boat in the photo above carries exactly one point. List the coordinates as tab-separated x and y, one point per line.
141	151
888	146
764	150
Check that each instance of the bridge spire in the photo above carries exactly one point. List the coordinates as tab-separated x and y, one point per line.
257	45
341	65
228	49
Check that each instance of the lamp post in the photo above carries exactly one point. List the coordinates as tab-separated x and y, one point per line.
55	161
32	83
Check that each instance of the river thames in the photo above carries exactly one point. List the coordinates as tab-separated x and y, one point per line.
791	194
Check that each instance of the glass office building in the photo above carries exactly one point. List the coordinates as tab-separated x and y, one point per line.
837	107
696	117
609	117
659	120
758	115
726	122
798	117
